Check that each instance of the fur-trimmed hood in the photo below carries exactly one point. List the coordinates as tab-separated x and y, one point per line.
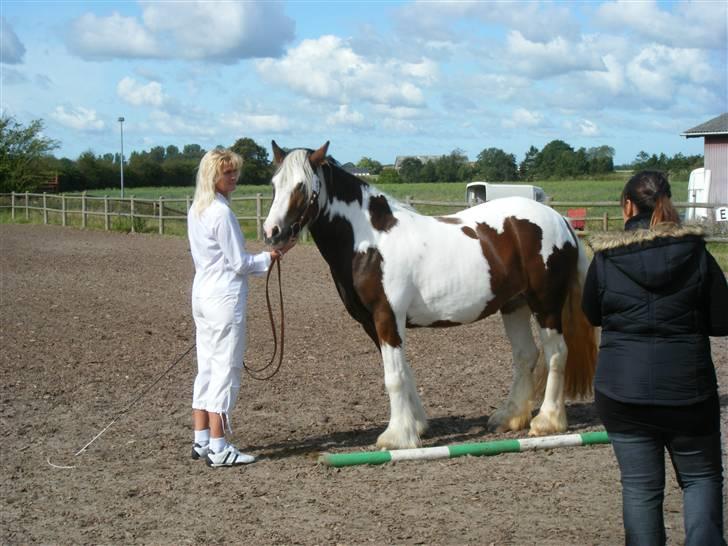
617	239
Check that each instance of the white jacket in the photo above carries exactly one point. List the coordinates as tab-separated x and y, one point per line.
218	250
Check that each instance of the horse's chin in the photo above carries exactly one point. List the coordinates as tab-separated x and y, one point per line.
286	238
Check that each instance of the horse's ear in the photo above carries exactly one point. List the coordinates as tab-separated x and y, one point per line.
278	153
319	155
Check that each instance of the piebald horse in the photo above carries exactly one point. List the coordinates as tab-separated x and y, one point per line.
395	268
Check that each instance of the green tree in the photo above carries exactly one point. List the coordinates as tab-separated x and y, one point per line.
555	160
448	167
527	168
24	154
495	165
389	176
410	170
256	166
374	167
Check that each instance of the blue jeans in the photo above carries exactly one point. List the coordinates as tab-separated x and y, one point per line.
699	471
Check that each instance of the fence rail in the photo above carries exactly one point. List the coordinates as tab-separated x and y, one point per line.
165	210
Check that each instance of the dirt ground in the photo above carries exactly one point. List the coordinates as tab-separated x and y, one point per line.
89	319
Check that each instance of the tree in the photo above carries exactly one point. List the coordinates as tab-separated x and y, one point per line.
389	176
374	167
256	166
410	170
24	154
527	168
554	160
449	167
495	165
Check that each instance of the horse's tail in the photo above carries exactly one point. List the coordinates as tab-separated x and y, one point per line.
579	334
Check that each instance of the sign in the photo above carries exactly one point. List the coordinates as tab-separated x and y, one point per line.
721	214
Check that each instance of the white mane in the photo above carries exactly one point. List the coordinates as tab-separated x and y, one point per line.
295	163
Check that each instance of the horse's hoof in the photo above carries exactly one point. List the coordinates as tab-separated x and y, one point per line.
389	440
545	424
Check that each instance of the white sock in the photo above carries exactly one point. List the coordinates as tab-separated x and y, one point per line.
202	437
218	444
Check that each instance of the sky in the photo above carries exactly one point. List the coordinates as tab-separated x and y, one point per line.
376	79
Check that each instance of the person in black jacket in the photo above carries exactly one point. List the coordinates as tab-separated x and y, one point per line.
658	295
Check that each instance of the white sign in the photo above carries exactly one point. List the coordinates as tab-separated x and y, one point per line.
721	214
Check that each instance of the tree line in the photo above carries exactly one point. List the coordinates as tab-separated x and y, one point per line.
27	164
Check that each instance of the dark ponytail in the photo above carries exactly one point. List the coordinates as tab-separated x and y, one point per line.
650	192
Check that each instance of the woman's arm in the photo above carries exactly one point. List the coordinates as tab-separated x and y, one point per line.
590	302
717	299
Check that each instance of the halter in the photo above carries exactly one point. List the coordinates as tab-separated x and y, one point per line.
305	217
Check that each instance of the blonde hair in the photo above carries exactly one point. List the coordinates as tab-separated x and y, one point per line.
212	164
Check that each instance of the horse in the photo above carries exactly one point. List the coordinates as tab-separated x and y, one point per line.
396	269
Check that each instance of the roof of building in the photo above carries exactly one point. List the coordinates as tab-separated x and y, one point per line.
716	126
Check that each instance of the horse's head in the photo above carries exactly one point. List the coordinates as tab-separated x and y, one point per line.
296	188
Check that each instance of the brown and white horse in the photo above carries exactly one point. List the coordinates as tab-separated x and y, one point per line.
394	269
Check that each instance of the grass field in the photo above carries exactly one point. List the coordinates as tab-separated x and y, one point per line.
606	189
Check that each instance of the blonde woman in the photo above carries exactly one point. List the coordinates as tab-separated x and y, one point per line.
219	295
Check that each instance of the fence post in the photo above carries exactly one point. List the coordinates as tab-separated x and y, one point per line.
27	211
12	205
258	226
45	209
161	215
106	212
605	222
131	213
83	209
63	210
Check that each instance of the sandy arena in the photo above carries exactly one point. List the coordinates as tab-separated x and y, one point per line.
90	318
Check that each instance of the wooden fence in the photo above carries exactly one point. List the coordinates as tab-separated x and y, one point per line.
139	214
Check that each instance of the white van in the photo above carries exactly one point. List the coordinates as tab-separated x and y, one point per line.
480	192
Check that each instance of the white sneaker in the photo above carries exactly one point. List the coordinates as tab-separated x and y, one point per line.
230	456
199	452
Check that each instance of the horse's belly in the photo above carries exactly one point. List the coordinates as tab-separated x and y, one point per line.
442	304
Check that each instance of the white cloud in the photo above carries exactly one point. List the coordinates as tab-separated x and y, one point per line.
327	68
256	122
695	24
219	31
138	94
439	22
80	118
11	48
588	128
169	124
345	117
522	118
558	56
656	71
97	38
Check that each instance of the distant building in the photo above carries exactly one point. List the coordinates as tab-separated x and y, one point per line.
715	132
356	171
423	159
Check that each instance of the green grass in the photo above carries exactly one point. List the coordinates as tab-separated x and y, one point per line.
605	189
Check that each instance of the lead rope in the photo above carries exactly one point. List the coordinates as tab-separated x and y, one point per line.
251	371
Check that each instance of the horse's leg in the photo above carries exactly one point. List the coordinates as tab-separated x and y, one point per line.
551	417
407	417
515	412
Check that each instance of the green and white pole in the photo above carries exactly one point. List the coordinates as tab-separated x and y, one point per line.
458	450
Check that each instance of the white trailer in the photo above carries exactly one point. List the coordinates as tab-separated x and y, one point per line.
480	192
698	192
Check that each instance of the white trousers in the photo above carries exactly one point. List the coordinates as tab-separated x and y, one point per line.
220	324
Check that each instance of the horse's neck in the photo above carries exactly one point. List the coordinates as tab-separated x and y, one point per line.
332	233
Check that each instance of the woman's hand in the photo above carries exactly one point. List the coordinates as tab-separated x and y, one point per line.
278	253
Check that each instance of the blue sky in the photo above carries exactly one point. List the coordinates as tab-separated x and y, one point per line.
377	79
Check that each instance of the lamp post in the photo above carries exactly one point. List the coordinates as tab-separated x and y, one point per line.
121	129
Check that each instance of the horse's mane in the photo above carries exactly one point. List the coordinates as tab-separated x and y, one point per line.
297	160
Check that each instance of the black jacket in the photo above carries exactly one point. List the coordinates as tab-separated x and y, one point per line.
657	294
